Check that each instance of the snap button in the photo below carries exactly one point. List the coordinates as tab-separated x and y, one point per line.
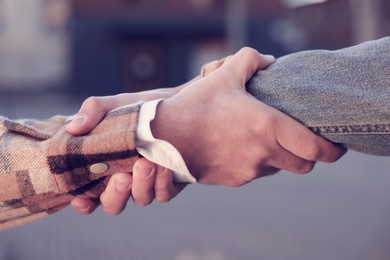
98	168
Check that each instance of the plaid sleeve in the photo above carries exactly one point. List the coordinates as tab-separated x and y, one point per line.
42	168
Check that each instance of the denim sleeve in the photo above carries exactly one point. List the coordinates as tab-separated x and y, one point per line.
343	96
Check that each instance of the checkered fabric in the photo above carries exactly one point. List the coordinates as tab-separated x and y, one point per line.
43	168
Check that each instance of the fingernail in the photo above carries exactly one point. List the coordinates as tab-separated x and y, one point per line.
122	185
145	172
77	120
83	207
269	57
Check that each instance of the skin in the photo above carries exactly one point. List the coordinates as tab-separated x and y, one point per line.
228	137
257	140
140	185
148	182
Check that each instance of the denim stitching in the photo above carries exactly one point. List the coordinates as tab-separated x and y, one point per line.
372	129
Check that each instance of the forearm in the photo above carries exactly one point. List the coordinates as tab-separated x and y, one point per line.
42	167
342	95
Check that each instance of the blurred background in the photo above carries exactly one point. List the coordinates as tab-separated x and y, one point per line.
55	53
99	47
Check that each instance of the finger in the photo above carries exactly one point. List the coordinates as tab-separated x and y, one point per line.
290	162
143	182
90	114
93	110
299	140
84	206
117	193
165	189
245	63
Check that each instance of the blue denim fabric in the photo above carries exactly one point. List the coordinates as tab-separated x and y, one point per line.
344	95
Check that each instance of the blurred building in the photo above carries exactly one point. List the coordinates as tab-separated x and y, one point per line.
111	46
140	44
34	46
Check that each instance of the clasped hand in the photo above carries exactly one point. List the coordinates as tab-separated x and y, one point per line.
224	134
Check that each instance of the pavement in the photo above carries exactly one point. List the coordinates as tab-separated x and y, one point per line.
339	211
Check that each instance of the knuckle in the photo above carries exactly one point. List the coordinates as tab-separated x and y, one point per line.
251	53
312	150
112	206
161	191
162	194
92	102
265	127
269	121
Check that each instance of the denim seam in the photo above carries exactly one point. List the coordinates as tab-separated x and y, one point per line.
352	129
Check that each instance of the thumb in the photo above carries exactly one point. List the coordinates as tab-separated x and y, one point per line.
88	117
247	62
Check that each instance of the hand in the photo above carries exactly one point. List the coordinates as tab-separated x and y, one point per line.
143	187
147	183
228	137
94	109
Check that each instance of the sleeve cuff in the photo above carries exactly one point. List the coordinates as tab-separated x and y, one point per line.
159	151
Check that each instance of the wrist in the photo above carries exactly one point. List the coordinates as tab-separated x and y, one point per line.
170	125
162	124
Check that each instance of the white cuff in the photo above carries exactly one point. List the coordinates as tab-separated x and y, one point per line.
159	151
